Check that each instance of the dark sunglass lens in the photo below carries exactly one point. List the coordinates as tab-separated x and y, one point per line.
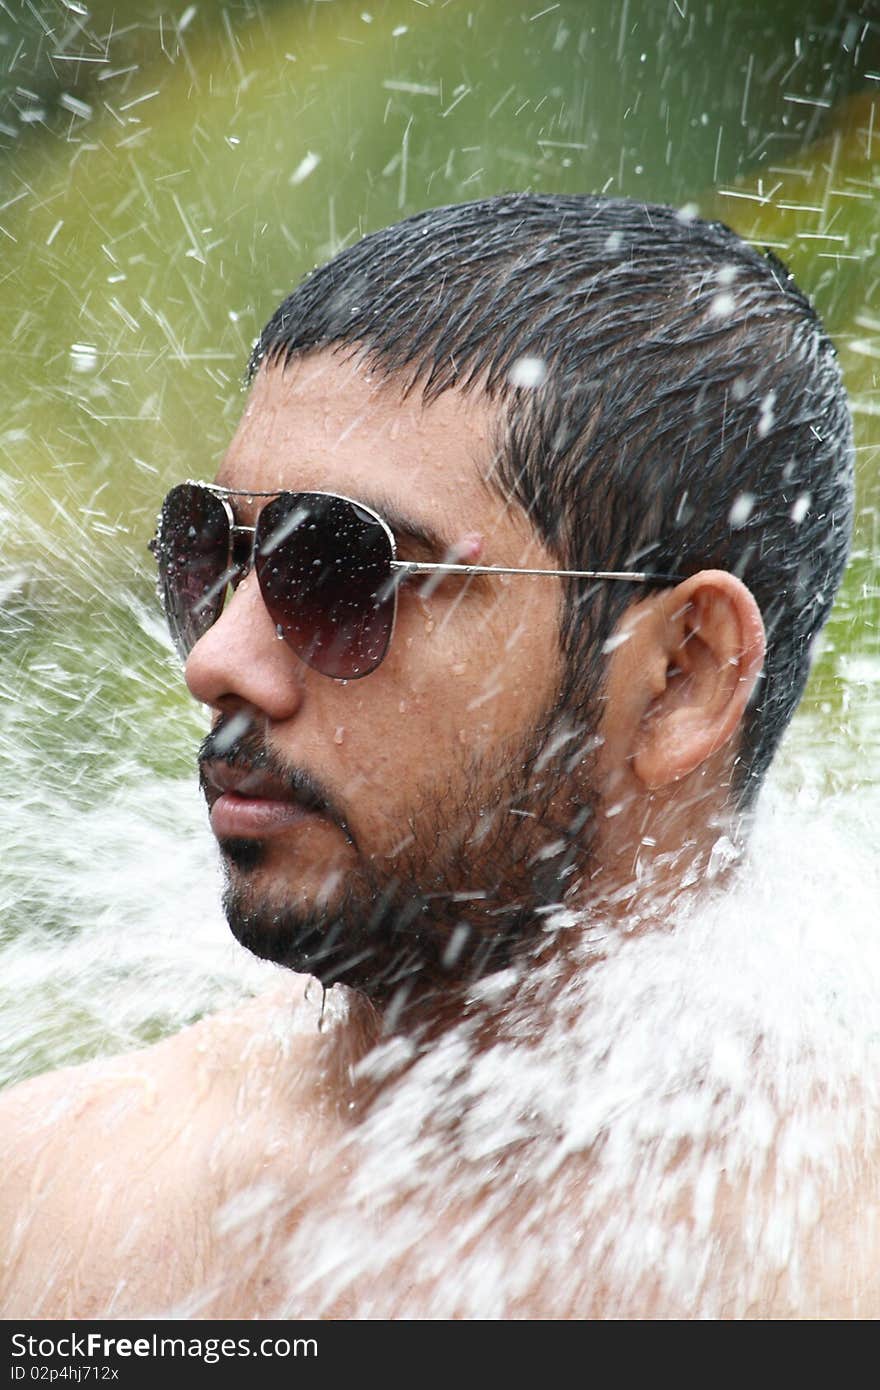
324	566
192	551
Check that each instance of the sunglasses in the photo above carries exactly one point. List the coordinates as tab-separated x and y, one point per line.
326	565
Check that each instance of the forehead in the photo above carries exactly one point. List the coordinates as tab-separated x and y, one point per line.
328	424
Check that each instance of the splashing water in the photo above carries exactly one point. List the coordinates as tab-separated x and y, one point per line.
717	1082
670	1141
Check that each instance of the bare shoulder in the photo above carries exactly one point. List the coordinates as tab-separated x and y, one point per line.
58	1134
61	1107
106	1166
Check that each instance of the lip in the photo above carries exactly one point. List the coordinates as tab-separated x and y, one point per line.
234	816
246	803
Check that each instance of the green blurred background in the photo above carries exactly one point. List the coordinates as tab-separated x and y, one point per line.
167	174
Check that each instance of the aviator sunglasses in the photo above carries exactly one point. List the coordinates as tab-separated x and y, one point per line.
326	565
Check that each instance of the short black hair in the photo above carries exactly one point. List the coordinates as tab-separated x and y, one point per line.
667	400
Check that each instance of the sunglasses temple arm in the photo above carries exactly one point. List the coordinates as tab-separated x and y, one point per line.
634	577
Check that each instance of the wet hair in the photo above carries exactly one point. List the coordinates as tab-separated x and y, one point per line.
666	398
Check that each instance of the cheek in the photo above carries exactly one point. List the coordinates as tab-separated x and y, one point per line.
452	689
472	673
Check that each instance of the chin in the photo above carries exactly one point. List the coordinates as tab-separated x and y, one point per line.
287	921
322	944
266	872
382	945
409	933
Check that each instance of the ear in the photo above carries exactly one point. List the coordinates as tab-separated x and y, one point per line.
704	649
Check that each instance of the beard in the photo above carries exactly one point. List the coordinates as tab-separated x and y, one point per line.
492	851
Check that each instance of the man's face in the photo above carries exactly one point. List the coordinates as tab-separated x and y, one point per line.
410	820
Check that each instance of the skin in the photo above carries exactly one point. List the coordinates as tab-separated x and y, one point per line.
128	1181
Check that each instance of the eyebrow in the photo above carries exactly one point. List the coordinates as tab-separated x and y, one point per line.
406	527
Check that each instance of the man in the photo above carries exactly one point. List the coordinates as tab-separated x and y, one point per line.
535	512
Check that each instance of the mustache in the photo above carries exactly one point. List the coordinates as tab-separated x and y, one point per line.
249	752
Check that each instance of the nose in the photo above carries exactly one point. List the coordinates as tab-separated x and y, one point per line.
240	660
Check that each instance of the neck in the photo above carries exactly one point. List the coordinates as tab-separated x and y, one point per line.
517	989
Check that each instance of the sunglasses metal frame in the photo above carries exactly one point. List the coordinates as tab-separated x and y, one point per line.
401	568
432	567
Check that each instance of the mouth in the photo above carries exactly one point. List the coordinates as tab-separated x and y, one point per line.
247	802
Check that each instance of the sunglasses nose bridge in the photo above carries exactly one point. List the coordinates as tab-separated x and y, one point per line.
241	551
